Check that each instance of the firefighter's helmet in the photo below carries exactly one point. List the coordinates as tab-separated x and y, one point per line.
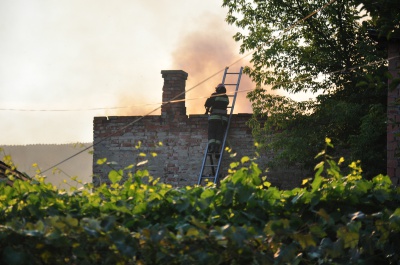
220	88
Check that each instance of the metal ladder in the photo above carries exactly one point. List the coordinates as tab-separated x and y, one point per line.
215	168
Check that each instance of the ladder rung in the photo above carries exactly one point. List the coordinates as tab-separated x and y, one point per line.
233	73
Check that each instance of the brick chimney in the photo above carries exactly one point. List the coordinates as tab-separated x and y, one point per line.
173	89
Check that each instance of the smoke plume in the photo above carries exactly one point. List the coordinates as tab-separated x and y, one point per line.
204	53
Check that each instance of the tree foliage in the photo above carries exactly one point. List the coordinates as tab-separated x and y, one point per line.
333	219
385	15
319	47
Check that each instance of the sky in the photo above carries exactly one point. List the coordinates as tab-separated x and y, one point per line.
64	62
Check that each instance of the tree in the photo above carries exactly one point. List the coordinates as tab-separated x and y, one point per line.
324	48
385	16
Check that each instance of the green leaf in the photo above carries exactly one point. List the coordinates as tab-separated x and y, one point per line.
362	83
101	161
192	232
395	219
286	254
327	218
245	159
198	223
318	231
182	205
115	175
140	208
332	249
207	193
234	165
316	184
322	153
245	194
129	167
350	238
305	241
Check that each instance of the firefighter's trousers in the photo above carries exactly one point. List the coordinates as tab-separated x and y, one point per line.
216	129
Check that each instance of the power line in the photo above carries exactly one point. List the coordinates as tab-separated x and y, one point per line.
114	108
174	99
195	98
60	110
139	118
309	15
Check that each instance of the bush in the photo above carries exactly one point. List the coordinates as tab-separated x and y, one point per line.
332	219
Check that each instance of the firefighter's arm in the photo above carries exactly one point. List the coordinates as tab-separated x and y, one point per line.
208	105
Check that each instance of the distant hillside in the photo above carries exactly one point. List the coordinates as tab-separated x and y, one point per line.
46	156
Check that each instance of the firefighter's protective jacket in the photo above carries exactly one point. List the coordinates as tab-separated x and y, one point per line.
217	105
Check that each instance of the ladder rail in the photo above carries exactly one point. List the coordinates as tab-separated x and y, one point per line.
216	168
224	76
227	127
203	166
206	151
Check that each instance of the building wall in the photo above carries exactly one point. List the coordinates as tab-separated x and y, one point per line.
184	139
393	129
178	159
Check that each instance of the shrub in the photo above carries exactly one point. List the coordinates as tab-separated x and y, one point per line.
332	219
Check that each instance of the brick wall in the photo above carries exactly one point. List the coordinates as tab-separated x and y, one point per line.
183	138
393	130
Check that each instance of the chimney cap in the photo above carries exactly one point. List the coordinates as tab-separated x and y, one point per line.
166	72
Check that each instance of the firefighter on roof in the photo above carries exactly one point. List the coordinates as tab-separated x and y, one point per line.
216	107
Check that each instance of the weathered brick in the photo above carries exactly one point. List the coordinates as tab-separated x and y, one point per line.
184	140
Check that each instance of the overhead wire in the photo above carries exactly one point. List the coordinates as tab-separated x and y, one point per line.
174	99
196	98
309	15
171	101
139	118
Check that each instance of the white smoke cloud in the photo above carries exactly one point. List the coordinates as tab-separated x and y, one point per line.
203	53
